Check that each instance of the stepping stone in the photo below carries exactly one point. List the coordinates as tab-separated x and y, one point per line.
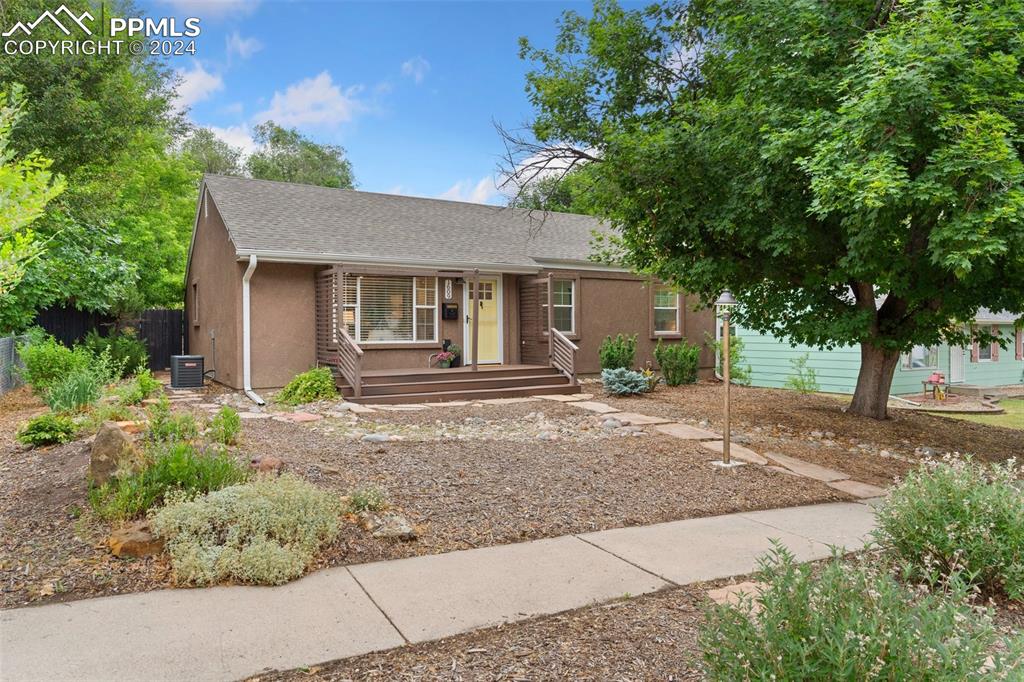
507	401
570	398
254	415
450	403
686	432
600	408
640	419
735	452
806	469
196	399
208	406
302	417
358	408
780	470
858	489
730	594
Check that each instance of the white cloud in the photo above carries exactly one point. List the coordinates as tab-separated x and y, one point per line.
483	192
197	84
416	68
236	136
242	47
313	101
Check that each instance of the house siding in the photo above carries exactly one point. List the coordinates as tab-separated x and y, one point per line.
770	359
214	267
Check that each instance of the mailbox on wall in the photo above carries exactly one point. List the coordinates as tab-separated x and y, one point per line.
449	311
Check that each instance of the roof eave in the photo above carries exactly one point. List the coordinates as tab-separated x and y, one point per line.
277	256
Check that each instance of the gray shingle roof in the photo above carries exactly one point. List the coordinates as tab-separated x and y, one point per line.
991	316
309	221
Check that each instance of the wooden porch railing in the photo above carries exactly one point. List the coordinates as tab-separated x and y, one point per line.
350	361
563	355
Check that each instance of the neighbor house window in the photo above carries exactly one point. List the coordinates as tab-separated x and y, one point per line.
563	303
378	309
666	310
195	303
984	352
921	357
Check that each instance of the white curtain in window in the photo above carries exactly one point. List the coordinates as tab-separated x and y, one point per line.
382	309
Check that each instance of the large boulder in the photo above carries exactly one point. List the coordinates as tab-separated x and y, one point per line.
136	540
111	449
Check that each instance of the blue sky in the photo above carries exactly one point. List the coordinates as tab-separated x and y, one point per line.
409	89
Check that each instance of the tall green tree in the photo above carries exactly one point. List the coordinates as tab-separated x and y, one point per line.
108	122
565	192
285	154
26	186
852	170
211	154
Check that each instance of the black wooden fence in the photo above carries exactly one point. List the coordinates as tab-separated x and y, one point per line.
161	329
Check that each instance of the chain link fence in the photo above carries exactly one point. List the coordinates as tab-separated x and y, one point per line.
10	377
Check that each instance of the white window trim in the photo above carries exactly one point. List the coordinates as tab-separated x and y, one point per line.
654	323
906	359
358	308
981	348
571	306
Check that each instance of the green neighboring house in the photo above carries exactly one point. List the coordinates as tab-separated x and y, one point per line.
976	366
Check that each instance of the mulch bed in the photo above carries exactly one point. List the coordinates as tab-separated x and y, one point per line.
783	421
475	475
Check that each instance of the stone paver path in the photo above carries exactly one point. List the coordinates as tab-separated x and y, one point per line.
806	469
864	491
687	432
735	451
228	633
592	406
634	419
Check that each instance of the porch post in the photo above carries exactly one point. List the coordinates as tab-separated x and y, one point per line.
474	300
551	316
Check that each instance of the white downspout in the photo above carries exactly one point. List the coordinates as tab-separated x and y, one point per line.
246	340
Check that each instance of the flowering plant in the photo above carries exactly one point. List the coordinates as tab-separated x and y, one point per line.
445	356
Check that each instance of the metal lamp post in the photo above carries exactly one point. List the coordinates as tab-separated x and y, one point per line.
725	303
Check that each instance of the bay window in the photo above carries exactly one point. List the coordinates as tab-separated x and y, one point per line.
386	309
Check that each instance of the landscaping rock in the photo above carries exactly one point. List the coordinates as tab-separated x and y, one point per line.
267	465
303	417
110	448
387	526
375	438
732	594
136	540
611	423
131	426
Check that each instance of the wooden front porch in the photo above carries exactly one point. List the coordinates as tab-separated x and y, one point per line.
418	385
337	349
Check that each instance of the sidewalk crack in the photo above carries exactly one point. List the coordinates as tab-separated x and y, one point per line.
374	602
627	561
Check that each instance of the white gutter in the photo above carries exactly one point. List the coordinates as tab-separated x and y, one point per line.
246	336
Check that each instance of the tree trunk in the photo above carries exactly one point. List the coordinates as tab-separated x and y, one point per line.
874	381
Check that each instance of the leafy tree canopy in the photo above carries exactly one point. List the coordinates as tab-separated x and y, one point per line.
813	157
211	154
286	155
566	192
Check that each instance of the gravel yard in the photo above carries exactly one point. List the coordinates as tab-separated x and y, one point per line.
475	475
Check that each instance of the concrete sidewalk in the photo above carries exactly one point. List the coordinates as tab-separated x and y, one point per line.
227	633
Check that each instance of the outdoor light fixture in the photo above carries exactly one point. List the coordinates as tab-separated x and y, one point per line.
725	303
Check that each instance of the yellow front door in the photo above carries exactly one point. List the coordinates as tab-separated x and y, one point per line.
486	307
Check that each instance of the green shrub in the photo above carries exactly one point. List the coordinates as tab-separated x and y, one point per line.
739	372
618	353
138	388
165	426
803	379
126	350
368	498
267	531
46	361
624	381
76	391
678	362
225	426
47	429
176	467
316	384
957	517
849	622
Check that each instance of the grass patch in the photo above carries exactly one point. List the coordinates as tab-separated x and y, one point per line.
1012	418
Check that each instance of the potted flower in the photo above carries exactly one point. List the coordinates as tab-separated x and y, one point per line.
444	359
456	353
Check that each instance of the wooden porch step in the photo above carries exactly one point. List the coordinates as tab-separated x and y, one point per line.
488	380
402	376
478	394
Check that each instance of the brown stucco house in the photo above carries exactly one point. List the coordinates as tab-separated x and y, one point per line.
283	277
